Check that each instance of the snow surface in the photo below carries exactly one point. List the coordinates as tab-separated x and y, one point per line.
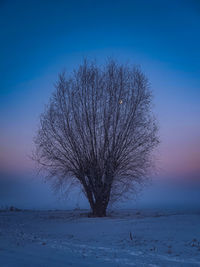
124	238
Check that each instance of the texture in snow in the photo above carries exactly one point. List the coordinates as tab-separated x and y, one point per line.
124	238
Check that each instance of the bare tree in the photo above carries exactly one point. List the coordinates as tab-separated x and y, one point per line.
98	130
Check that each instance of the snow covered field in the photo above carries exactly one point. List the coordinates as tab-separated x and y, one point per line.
124	238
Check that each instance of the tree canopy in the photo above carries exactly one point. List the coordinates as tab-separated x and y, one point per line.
99	130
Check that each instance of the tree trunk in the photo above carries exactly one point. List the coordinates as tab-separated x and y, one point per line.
99	209
98	202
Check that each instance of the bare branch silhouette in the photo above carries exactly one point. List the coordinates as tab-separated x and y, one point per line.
98	130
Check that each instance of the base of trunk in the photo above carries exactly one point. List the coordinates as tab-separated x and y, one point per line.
94	215
98	213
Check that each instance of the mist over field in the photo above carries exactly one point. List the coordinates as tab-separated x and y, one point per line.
32	191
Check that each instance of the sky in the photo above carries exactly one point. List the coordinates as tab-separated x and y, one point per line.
39	39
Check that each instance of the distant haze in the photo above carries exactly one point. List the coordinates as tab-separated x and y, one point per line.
31	192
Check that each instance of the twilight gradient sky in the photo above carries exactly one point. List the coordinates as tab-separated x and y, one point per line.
40	38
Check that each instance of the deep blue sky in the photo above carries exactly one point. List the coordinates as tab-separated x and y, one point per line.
38	34
40	38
